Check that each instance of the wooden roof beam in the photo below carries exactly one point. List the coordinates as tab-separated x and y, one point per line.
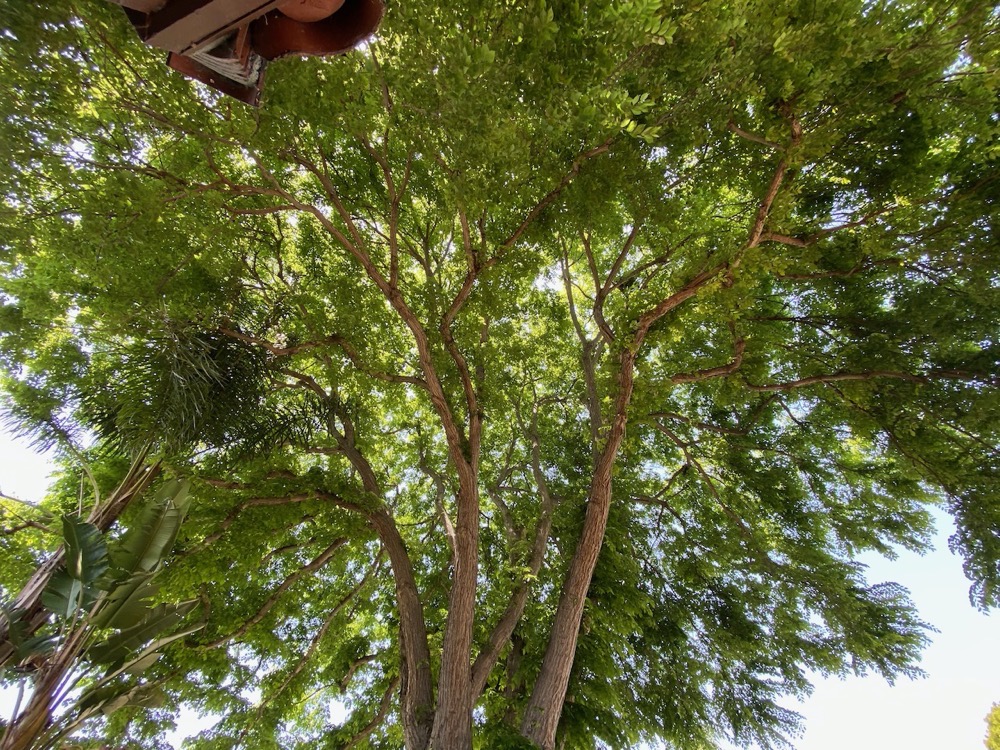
185	25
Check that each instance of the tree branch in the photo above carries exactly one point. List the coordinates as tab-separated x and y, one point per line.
739	345
320	634
733	128
546	201
379	717
504	628
838	377
772	191
318	562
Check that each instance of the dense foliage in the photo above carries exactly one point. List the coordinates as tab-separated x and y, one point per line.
992	740
539	370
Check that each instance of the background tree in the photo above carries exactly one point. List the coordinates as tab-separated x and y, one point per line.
992	740
107	631
540	369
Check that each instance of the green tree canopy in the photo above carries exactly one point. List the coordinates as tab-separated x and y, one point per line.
540	369
992	740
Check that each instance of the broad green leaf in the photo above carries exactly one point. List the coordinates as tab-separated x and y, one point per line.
111	698
25	646
86	551
140	665
149	541
63	594
155	647
117	647
127	603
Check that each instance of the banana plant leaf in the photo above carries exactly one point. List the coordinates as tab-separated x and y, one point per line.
118	647
64	594
127	603
110	698
152	537
86	552
25	646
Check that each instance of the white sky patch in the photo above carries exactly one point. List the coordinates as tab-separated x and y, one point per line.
24	472
549	280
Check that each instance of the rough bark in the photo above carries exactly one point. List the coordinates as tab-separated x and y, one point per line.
541	716
453	718
31	722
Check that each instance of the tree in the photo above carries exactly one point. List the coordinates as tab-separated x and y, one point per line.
105	623
992	740
540	369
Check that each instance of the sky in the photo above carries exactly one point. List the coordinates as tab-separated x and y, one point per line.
944	711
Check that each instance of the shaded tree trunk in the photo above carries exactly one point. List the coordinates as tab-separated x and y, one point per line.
455	700
31	722
541	715
416	687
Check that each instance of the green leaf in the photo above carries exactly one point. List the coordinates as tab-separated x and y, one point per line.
63	594
126	604
25	647
151	539
86	552
143	663
109	698
116	648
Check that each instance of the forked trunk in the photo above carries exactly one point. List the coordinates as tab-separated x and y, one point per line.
541	716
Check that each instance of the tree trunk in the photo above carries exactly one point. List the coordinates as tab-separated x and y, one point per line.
416	691
541	716
29	723
453	717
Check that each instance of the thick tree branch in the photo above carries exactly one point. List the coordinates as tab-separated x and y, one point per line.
508	621
590	349
739	345
541	715
417	690
836	378
549	197
383	711
757	231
